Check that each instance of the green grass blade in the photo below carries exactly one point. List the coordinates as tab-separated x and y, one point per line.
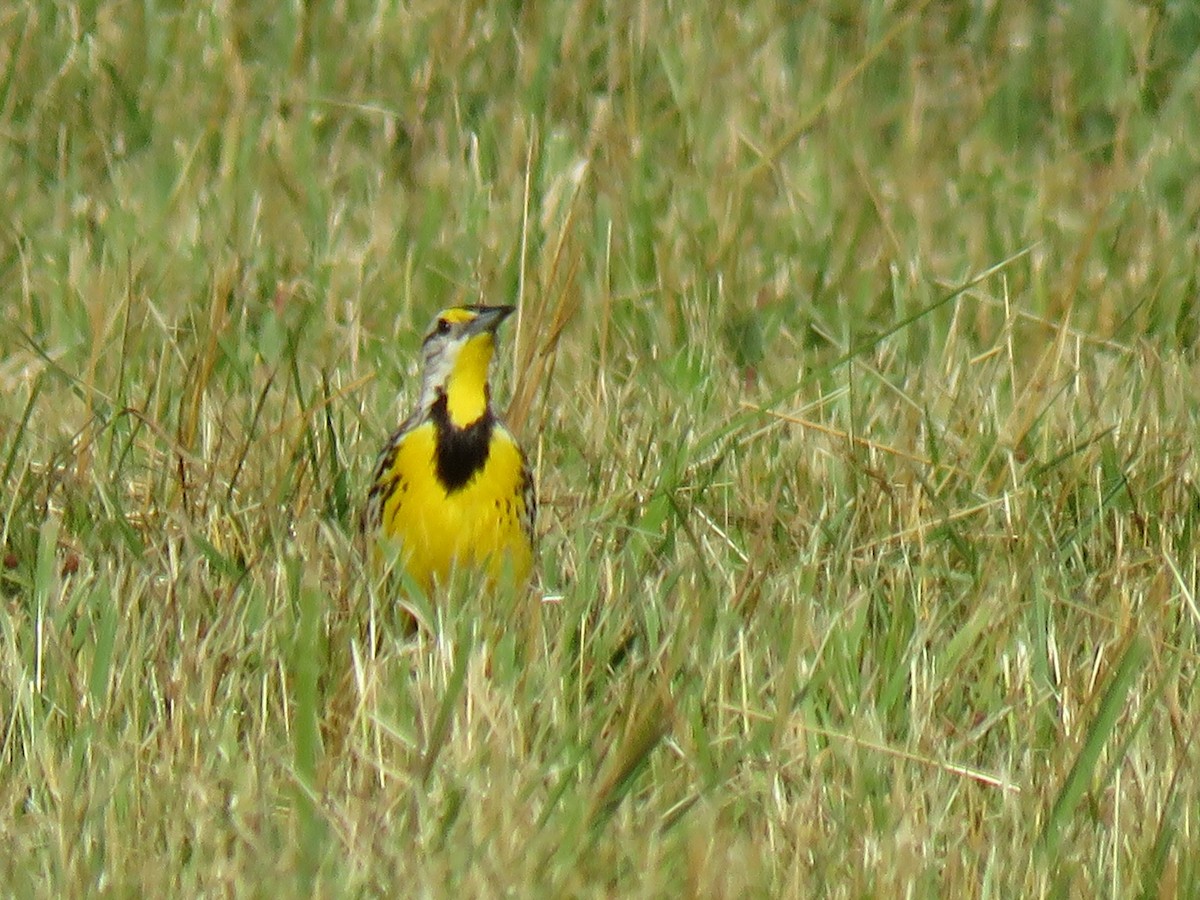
1099	732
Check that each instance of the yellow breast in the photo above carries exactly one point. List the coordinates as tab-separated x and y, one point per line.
481	525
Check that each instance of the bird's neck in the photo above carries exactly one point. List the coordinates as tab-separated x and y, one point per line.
467	386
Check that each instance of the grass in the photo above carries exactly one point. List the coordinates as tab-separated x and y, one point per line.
856	360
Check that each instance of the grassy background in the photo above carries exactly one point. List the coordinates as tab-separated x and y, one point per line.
856	359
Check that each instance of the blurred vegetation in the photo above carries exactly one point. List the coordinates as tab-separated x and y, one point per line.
855	356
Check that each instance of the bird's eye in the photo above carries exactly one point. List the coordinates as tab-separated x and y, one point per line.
443	327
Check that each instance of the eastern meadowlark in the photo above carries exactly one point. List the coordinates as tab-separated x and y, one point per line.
452	489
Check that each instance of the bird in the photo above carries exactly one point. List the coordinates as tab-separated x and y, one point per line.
452	488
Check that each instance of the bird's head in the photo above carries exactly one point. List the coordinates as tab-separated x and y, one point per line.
458	355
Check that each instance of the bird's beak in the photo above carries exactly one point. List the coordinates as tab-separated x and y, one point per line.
489	319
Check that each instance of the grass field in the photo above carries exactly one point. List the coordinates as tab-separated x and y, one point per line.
856	359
